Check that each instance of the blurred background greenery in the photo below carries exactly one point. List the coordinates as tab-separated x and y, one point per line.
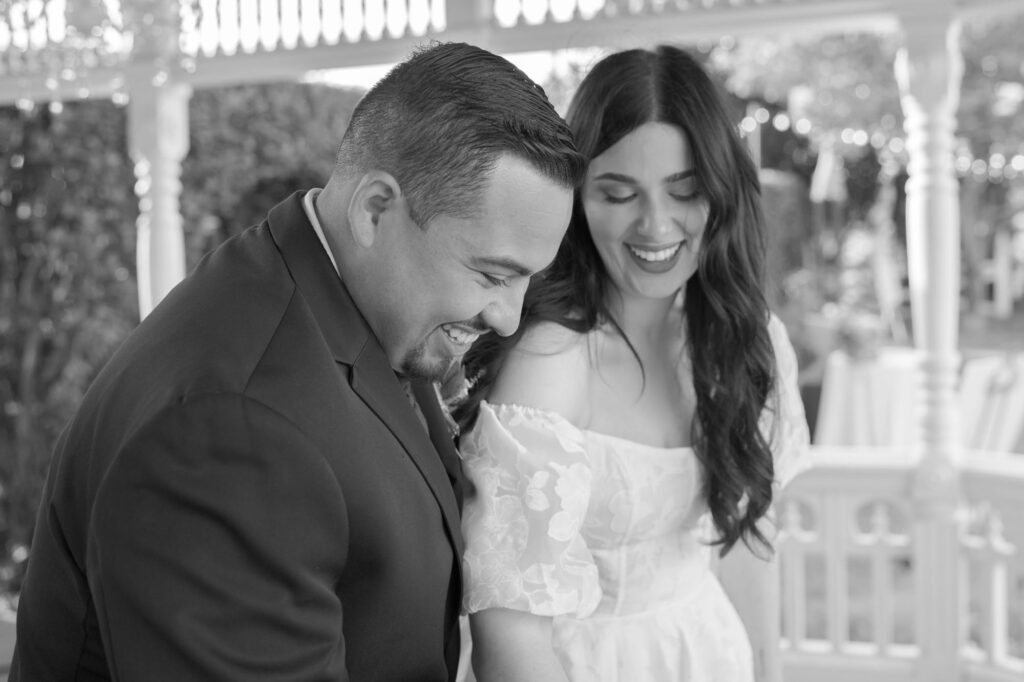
67	246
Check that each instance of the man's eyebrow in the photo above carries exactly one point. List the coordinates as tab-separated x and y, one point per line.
501	263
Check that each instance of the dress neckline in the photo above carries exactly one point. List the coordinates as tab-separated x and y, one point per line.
551	414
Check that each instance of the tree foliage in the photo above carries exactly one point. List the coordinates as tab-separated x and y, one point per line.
847	81
991	114
835	81
67	246
250	147
67	291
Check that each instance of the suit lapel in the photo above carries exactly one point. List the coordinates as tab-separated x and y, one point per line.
350	339
440	435
376	383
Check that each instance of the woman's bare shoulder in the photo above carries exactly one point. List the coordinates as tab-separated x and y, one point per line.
547	370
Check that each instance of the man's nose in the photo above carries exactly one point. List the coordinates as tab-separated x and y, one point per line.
503	313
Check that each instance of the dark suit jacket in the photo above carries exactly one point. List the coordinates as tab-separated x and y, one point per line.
247	494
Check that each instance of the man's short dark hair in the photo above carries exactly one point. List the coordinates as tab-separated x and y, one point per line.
439	121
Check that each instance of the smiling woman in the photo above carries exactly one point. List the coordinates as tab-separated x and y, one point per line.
647	408
645	211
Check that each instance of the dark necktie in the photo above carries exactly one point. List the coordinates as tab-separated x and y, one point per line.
428	407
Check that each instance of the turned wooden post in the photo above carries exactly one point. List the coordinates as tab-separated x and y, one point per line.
928	70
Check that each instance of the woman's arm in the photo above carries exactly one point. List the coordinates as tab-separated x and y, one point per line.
752	584
547	371
513	646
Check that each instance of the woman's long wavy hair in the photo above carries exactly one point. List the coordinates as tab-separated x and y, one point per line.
726	314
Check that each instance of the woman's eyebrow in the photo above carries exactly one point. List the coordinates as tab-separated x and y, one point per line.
628	180
682	175
616	177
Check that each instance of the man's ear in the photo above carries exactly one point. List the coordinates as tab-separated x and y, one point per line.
375	194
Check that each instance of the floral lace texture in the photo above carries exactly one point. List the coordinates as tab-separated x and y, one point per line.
522	527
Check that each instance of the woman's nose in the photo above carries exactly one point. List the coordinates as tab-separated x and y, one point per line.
656	220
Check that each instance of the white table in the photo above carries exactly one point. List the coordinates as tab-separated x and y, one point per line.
870	402
874	402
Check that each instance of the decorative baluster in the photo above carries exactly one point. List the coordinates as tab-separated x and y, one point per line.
303	15
793	565
332	21
397	18
836	516
419	17
374	19
19	28
248	26
881	578
209	31
230	26
549	16
438	18
269	26
291	29
311	23
999	550
352	20
37	32
325	35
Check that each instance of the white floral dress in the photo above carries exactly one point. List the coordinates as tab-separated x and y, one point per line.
606	535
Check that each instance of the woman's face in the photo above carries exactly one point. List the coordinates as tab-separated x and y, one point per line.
646	215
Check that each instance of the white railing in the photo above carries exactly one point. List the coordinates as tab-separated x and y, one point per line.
231	26
69	49
227	25
847	560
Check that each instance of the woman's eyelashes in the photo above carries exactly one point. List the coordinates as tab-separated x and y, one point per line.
685	196
682	193
614	198
684	190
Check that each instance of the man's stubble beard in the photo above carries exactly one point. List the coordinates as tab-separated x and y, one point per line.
414	366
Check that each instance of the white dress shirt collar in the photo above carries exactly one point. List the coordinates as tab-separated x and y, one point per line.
309	206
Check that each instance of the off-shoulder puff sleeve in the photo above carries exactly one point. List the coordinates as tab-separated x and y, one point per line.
783	421
522	526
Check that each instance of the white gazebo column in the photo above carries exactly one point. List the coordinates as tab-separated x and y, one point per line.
929	70
157	141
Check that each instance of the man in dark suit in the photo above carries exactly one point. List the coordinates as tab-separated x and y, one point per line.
259	484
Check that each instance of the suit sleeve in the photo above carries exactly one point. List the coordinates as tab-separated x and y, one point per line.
217	538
